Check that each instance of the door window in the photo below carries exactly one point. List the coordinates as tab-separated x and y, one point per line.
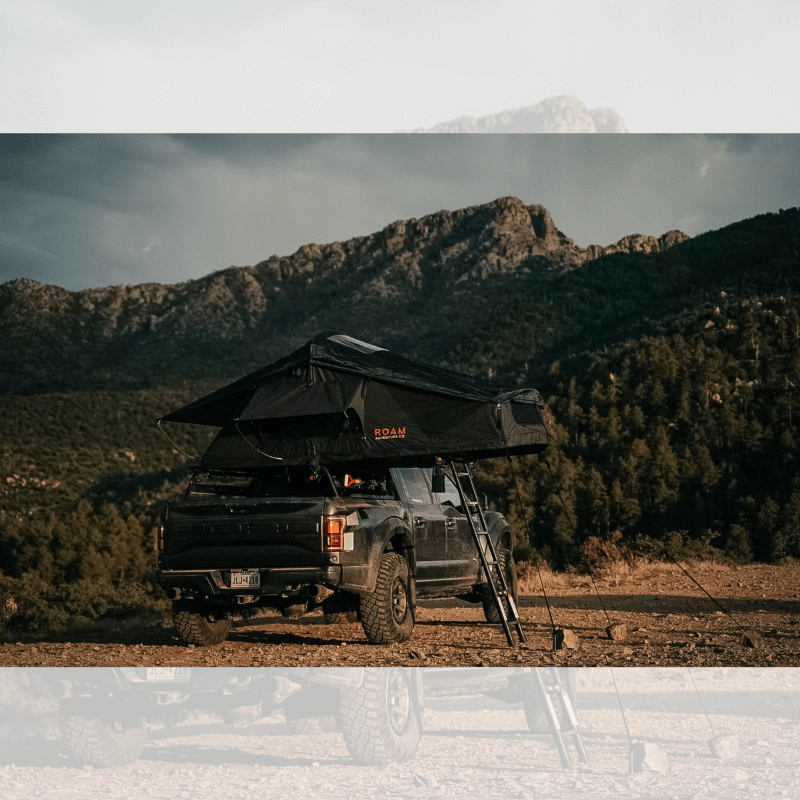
415	485
450	494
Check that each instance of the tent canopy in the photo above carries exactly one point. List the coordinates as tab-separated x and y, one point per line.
337	399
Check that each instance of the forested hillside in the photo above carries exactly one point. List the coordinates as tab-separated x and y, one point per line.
693	431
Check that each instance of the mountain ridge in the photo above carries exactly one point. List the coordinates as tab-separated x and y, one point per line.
444	288
515	234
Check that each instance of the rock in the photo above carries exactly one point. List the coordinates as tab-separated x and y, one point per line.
618	632
567	639
724	746
751	640
425	779
740	776
649	757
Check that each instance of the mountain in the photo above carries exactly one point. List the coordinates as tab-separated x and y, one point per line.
563	114
419	285
494	288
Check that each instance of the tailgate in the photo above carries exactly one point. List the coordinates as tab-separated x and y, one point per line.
242	534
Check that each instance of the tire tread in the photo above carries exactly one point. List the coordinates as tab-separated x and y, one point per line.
376	611
194	628
93	742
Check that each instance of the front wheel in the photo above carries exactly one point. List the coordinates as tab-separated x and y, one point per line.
197	627
506	562
102	744
387	614
381	719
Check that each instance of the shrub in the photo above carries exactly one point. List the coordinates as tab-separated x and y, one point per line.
43	609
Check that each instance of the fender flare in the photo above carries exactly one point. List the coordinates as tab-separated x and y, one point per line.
393	528
498	527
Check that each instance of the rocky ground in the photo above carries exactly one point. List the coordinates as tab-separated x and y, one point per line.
669	621
471	746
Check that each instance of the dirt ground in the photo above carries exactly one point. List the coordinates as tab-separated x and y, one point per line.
471	746
669	622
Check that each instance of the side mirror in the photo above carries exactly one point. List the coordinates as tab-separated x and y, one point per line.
437	480
483	499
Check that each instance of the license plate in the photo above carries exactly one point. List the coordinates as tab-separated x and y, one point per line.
167	673
244	579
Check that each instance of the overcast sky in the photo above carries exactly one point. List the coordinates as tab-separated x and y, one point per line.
364	66
95	210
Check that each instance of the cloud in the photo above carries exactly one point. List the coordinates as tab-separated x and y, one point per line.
91	210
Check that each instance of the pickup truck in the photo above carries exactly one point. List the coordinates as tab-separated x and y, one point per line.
357	541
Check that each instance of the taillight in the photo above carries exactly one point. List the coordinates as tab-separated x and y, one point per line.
160	537
334	533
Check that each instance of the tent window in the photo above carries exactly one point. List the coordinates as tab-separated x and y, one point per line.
525	414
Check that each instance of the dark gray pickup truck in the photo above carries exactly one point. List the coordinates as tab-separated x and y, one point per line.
360	542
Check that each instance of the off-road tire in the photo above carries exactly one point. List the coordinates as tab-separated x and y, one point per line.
506	561
102	744
340	609
381	719
197	628
387	614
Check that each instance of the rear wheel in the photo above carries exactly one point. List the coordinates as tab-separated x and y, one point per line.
340	608
198	626
387	613
102	744
381	719
506	562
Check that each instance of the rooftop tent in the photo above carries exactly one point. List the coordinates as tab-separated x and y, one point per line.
337	399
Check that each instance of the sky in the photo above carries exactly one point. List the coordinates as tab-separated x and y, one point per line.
261	66
85	210
82	211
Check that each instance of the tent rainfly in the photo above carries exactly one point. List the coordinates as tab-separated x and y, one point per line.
337	399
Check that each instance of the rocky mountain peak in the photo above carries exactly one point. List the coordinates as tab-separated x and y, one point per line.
637	243
561	114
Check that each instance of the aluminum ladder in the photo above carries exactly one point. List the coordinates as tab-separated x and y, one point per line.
547	687
495	579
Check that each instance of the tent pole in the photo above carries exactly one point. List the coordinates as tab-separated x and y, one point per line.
533	549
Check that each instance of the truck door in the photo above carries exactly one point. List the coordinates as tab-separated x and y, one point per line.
430	540
462	557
